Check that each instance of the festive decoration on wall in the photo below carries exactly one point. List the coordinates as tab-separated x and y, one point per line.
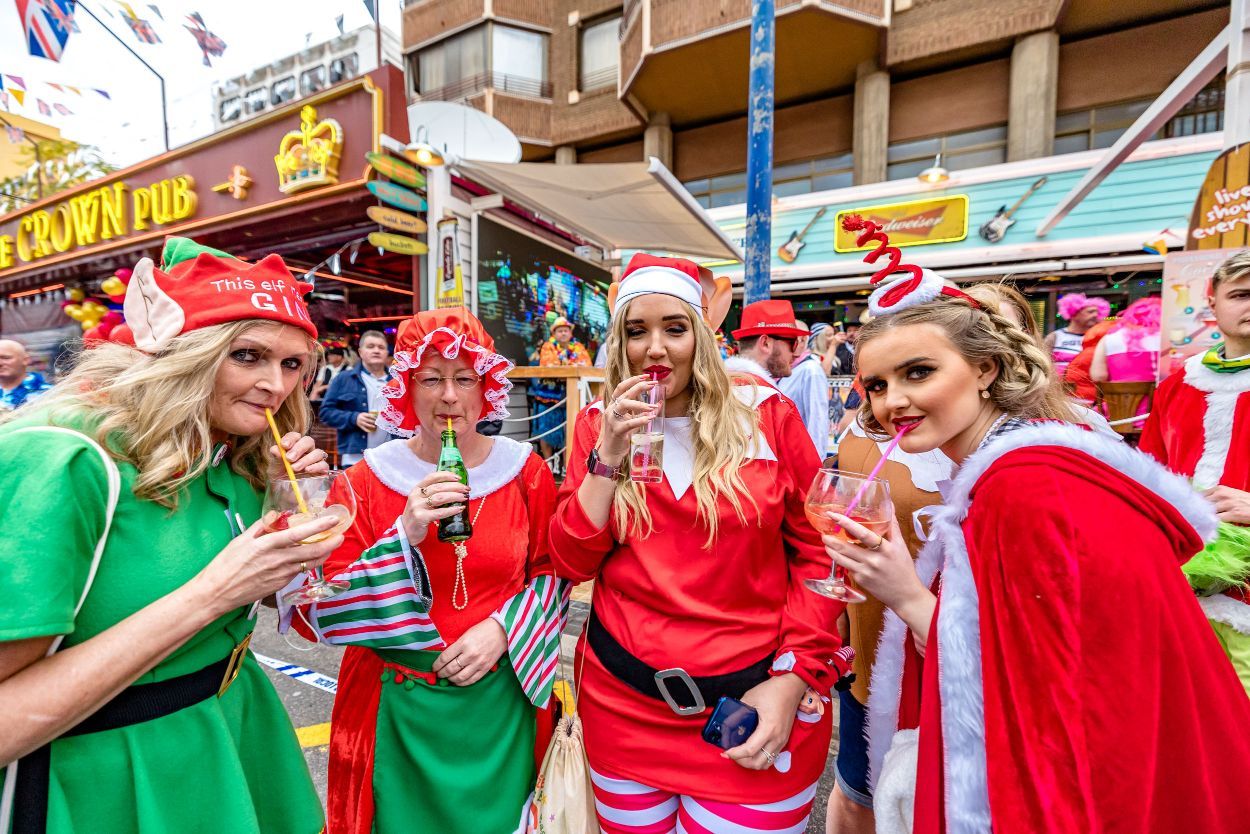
209	43
237	184
309	157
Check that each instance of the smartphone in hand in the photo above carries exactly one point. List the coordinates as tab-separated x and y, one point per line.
730	724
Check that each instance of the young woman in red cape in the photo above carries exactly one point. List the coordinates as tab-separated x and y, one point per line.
700	575
1063	678
451	649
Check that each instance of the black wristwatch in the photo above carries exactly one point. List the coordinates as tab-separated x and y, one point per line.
594	466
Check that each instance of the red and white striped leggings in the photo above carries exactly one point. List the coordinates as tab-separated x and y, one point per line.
628	807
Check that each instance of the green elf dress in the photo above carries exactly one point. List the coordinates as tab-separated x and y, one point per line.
229	762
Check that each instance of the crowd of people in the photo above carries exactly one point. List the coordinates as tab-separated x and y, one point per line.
1056	636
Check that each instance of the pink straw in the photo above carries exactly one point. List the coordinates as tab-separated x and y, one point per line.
889	450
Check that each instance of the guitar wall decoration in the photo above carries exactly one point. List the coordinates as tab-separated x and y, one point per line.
789	251
996	227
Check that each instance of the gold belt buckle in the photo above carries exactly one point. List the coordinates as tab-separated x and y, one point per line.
233	665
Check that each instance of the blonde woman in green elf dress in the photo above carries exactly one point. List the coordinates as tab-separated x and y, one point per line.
130	556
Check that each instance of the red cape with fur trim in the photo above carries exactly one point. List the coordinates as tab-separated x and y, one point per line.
1071	681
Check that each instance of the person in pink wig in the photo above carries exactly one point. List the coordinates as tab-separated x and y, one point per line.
1081	312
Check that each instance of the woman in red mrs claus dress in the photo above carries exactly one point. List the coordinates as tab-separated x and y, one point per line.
722	600
1063	678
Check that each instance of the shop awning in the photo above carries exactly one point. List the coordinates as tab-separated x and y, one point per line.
628	205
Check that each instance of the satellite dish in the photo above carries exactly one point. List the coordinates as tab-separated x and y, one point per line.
462	132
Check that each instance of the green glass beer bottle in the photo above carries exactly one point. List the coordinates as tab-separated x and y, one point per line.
457	528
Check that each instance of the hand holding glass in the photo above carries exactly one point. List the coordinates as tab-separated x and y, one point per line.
646	446
835	491
283	510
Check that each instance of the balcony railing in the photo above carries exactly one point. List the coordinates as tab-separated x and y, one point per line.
598	79
501	82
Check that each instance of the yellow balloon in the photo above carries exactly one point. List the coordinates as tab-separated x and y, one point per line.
113	286
76	294
94	308
75	312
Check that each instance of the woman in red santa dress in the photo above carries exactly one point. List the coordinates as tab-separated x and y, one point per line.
700	575
1064	679
451	649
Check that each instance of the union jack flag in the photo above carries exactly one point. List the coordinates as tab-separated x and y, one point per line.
142	29
209	43
47	25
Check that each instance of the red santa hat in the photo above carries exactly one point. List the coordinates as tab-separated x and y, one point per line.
917	287
448	332
201	287
678	277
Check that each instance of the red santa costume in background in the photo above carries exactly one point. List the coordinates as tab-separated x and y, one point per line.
1070	682
1199	427
738	608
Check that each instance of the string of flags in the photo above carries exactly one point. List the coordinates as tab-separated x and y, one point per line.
47	25
15	88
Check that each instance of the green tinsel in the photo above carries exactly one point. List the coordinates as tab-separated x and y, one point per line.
1223	564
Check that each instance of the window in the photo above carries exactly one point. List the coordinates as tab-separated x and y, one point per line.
456	60
502	57
968	149
518	61
1205	114
1097	127
255	100
794	178
312	80
283	90
230	109
600	54
344	68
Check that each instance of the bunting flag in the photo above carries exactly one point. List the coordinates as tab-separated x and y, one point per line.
44	108
16	134
62	109
156	11
17	79
372	6
105	94
209	43
64	14
73	90
20	95
338	21
4	98
46	24
56	87
142	29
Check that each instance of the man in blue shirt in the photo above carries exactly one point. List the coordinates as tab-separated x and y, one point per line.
354	398
17	387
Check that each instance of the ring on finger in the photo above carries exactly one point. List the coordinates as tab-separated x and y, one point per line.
303	567
429	502
424	493
771	757
877	546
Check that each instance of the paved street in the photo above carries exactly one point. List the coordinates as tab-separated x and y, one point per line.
310	707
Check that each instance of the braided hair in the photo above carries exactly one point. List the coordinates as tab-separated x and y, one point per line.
1026	385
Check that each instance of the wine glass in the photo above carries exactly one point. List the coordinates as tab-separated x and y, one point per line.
328	494
858	497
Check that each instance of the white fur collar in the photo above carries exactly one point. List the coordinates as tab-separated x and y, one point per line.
679	445
1204	379
743	364
958	632
396	466
1224	609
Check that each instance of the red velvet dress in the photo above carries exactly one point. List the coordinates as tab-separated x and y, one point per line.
672	603
1071	683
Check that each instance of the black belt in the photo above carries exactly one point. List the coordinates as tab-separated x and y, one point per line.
133	705
691	699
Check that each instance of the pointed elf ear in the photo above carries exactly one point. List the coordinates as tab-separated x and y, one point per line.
717	296
154	317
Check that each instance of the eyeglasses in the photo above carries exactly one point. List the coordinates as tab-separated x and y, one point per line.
462	381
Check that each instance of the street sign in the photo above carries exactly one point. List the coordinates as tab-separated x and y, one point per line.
398	244
396	195
394	169
392	219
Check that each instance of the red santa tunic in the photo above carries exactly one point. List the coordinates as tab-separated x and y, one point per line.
1199	427
1071	682
672	603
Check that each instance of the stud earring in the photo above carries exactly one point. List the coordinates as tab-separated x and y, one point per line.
985	393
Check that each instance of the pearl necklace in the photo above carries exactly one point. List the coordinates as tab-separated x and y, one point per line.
462	550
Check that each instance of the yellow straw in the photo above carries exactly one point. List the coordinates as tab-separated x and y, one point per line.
448	424
290	473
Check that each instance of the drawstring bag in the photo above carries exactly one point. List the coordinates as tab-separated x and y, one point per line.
564	798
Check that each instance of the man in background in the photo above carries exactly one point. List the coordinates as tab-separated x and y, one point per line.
809	388
354	399
17	385
766	341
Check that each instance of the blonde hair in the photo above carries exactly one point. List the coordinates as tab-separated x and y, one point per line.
999	294
152	410
1026	385
721	429
1232	269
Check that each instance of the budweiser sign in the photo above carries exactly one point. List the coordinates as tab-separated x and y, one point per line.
940	220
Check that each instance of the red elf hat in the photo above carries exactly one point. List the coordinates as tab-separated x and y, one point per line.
919	286
448	332
201	287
